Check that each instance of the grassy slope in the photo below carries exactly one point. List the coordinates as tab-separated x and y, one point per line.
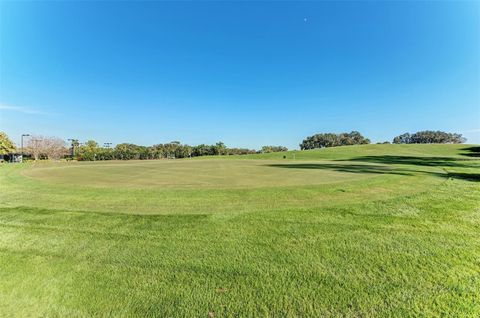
396	242
349	152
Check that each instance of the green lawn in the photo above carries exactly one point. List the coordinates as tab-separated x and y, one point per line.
357	231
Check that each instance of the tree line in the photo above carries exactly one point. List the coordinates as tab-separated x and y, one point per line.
127	151
40	147
91	150
355	138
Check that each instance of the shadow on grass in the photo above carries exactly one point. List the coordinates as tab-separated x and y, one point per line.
465	176
376	169
417	161
472	151
356	168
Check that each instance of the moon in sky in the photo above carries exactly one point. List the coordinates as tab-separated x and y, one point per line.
305	19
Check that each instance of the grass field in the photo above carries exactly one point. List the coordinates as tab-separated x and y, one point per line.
357	231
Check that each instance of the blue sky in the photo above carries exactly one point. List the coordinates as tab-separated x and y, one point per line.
248	74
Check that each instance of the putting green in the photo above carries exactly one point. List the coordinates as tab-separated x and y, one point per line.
197	173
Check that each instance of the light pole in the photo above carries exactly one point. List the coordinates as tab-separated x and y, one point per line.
23	135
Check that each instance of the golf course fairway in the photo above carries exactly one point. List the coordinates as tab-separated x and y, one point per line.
353	231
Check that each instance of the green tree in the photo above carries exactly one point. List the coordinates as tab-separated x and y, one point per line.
6	145
333	140
429	137
105	153
127	151
267	149
402	139
220	149
203	150
157	151
183	151
88	151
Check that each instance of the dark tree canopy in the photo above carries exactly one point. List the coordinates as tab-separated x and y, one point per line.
333	140
429	137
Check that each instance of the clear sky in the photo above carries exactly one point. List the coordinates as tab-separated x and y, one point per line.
248	74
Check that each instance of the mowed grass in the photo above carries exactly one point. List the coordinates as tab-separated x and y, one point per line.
359	231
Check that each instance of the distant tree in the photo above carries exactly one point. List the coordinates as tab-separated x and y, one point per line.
105	153
184	151
220	149
41	147
171	148
402	139
88	151
157	152
429	137
240	151
35	147
55	148
92	144
126	151
333	140
352	138
75	144
142	153
203	150
268	149
6	145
